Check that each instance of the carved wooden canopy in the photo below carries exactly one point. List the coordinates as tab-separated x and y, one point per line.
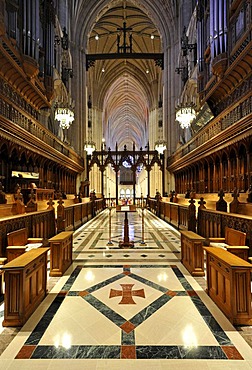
146	158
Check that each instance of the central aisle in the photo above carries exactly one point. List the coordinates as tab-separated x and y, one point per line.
134	308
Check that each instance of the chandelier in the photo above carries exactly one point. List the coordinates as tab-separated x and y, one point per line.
160	146
89	147
185	114
65	116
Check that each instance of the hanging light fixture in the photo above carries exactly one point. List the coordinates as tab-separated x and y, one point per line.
89	145
160	146
65	116
185	114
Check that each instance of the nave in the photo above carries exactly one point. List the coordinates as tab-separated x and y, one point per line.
125	308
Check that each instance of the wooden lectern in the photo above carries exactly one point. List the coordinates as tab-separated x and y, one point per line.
126	243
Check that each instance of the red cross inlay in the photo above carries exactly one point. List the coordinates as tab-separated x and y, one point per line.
126	293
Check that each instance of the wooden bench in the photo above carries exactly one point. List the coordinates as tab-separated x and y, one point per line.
7	210
18	243
25	286
234	242
192	253
229	284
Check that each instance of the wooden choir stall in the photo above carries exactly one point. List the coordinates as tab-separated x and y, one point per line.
25	286
192	254
229	284
61	246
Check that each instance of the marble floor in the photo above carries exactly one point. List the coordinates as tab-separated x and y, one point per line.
130	308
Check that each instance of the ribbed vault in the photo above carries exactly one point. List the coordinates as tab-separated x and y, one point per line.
126	113
125	91
123	85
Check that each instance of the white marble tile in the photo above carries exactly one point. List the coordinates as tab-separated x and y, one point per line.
176	323
228	365
161	276
25	365
73	364
129	365
89	277
81	325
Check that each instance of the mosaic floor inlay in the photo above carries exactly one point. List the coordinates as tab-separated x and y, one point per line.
128	305
224	348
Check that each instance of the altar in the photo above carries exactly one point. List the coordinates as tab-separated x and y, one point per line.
126	243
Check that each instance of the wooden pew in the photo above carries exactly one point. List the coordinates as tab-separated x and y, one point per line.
209	198
25	286
232	237
20	237
14	252
229	284
38	201
7	210
239	251
234	242
18	243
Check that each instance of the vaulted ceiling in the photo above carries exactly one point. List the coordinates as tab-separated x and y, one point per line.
125	90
